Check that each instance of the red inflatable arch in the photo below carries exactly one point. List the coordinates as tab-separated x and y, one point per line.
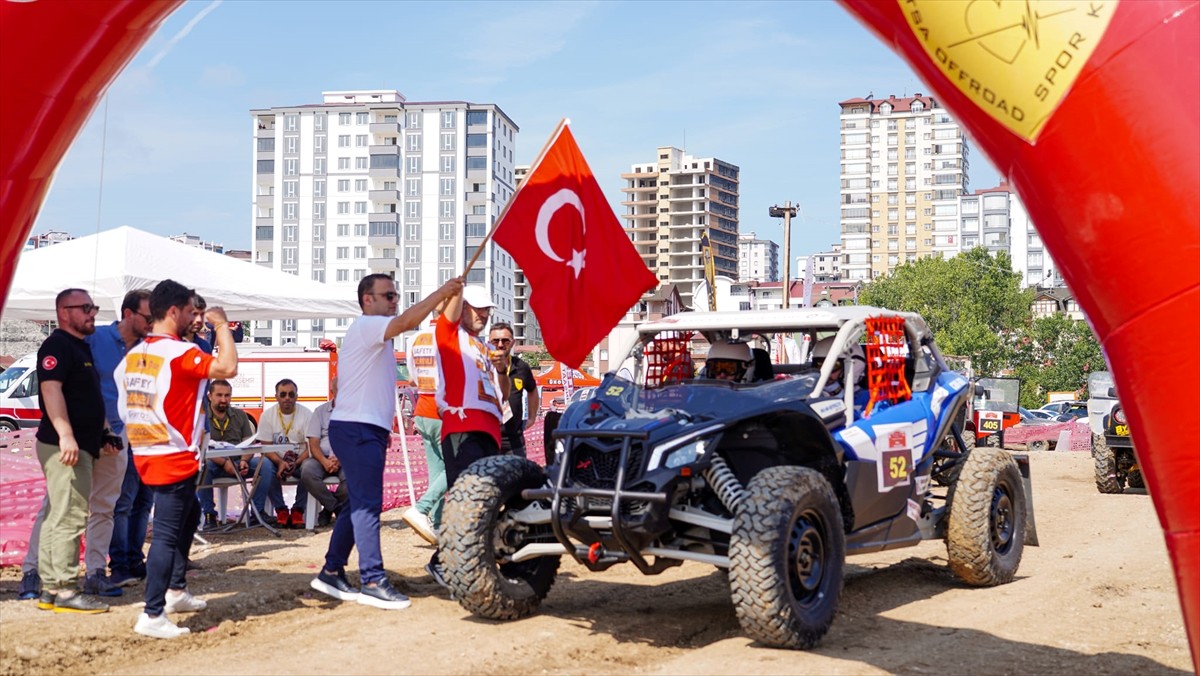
1091	111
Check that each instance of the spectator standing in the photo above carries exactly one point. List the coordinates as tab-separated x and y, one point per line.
359	432
230	425
108	344
472	384
425	517
284	423
162	385
521	408
321	463
71	437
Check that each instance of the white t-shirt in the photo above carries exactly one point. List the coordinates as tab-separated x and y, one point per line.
366	374
276	428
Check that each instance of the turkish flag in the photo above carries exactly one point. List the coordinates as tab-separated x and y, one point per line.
583	272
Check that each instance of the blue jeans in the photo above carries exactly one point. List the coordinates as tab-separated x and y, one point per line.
270	487
176	515
130	518
362	450
430	503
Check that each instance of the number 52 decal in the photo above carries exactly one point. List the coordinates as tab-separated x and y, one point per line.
895	468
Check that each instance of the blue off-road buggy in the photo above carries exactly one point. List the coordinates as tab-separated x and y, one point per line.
775	476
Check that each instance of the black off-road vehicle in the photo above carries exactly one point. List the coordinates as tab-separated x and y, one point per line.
775	476
1112	446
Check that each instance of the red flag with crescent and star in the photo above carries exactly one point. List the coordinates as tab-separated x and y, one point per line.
583	272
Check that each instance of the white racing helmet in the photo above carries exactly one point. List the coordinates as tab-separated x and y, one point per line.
729	361
858	363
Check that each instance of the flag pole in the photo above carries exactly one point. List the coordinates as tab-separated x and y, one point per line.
562	124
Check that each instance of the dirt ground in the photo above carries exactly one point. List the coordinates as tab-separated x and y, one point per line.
1097	597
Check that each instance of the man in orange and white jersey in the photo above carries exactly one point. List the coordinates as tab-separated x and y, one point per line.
161	384
426	516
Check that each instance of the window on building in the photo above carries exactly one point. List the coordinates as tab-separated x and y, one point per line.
414	164
447	209
412	209
446	232
362	118
414	120
476	140
447	187
360	185
360	229
289	211
319	188
318	233
343	208
360	140
343	252
361	163
448	119
343	163
319	211
343	118
343	230
344	141
318	276
412	254
360	252
290	167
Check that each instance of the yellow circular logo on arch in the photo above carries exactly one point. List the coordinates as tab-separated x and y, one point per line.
1015	59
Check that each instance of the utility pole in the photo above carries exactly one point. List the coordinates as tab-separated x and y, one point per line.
786	212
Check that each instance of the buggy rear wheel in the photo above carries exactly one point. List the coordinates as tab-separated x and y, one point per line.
986	533
1108	476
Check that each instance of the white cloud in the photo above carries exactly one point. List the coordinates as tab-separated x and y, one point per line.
525	35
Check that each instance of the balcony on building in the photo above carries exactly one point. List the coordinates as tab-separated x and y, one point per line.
386	196
263	222
265	199
383	264
385	161
390	128
383	229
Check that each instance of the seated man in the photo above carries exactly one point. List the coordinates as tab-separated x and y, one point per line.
836	384
231	425
321	463
284	423
729	361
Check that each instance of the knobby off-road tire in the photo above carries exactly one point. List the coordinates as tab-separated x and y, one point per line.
986	533
1039	446
474	524
786	556
1108	479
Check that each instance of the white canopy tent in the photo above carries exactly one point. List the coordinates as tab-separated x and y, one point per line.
114	262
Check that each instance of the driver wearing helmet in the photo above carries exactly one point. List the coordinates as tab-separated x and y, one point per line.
729	361
837	378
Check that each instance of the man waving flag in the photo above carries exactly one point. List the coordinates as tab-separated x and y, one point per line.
584	274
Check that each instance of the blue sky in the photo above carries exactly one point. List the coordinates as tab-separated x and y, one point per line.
755	84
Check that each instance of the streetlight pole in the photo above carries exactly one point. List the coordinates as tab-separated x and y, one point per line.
786	212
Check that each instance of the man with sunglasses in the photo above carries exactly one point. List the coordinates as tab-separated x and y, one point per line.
359	432
284	423
71	437
522	407
108	344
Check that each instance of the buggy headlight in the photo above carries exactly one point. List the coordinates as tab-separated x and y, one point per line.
685	455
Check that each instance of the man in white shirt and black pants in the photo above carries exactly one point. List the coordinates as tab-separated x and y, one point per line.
359	432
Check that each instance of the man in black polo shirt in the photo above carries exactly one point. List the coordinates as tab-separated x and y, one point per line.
522	395
70	438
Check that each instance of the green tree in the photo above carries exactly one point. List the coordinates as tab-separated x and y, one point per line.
536	357
973	303
1055	354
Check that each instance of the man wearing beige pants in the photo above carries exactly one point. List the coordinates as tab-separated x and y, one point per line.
70	438
108	345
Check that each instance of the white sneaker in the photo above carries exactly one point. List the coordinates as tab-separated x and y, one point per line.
184	603
158	627
420	524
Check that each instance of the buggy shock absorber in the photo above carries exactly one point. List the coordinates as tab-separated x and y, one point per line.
725	484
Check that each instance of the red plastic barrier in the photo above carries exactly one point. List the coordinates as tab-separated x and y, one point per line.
1110	182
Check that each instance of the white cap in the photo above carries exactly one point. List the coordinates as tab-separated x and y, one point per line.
477	297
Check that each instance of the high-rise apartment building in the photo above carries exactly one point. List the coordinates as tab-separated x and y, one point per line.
904	163
368	182
670	203
758	259
996	218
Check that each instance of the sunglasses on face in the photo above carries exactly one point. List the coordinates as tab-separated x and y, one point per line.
286	395
87	308
718	368
500	341
389	296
